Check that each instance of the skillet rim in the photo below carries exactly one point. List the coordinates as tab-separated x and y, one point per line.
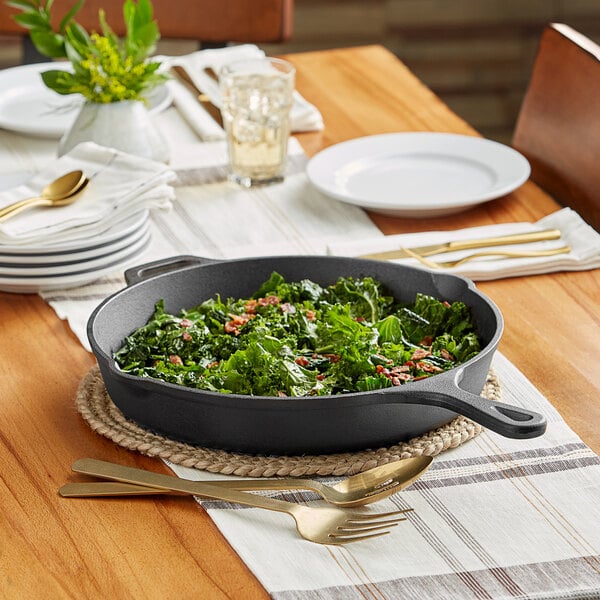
293	402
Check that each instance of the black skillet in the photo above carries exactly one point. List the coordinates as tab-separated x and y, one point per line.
272	425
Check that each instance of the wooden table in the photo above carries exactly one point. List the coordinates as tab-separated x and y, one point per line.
169	548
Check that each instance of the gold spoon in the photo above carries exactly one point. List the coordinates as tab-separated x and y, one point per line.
60	192
357	490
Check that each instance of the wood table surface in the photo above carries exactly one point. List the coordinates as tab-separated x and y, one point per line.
52	547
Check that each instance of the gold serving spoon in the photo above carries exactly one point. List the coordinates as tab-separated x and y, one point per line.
357	490
60	192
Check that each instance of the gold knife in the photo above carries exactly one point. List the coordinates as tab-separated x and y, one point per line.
182	76
517	238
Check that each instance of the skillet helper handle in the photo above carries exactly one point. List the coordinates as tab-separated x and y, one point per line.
164	265
506	419
116	472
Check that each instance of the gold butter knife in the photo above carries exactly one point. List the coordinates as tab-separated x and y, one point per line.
182	76
517	238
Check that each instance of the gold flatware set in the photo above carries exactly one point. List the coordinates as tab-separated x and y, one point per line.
318	524
60	192
181	75
422	253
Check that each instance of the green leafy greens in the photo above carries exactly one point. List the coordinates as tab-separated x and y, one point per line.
105	68
301	339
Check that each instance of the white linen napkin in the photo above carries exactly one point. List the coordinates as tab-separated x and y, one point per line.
304	115
575	232
120	186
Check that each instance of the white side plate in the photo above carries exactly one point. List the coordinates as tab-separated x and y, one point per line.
419	174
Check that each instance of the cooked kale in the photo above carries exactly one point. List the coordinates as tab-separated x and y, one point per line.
301	339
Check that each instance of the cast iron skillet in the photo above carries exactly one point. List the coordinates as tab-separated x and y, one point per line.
260	424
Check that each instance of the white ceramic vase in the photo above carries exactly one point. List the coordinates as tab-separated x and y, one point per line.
124	125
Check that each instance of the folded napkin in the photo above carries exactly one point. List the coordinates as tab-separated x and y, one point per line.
575	232
120	186
304	116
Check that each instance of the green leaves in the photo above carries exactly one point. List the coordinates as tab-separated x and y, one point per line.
105	68
300	339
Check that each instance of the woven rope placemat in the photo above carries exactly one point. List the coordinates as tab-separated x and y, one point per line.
98	410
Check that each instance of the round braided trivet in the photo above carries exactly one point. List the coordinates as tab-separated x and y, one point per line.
105	418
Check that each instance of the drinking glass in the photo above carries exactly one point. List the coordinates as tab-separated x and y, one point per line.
256	96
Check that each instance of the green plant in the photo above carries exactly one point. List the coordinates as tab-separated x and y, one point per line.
105	68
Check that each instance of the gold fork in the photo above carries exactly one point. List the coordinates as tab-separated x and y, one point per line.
500	253
316	524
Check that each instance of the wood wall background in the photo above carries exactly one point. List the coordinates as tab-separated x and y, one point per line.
475	54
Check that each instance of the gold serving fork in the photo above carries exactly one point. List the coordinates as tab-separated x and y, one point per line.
499	253
363	488
316	524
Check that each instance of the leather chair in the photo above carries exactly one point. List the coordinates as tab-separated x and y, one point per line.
210	22
558	127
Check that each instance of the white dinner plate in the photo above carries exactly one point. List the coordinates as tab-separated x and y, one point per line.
28	106
419	174
30	252
35	284
69	260
28	271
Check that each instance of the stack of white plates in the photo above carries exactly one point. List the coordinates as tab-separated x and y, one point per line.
33	268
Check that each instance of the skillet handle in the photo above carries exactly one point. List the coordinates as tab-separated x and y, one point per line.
506	419
164	265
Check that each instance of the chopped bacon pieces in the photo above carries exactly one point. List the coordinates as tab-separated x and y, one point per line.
311	315
236	322
269	301
302	361
419	353
174	359
445	354
186	336
185	323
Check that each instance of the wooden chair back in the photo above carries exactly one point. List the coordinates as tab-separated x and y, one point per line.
255	21
558	127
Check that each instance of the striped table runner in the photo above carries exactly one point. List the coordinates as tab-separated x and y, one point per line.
494	518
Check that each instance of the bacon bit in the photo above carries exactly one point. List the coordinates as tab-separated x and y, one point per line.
315	355
186	336
311	315
333	358
213	364
419	377
419	353
185	323
174	359
400	369
360	319
236	322
281	394
446	304
409	363
320	377
269	300
428	367
381	369
302	361
445	354
286	307
250	306
426	341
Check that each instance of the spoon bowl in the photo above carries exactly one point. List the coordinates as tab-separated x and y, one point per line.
60	192
357	490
